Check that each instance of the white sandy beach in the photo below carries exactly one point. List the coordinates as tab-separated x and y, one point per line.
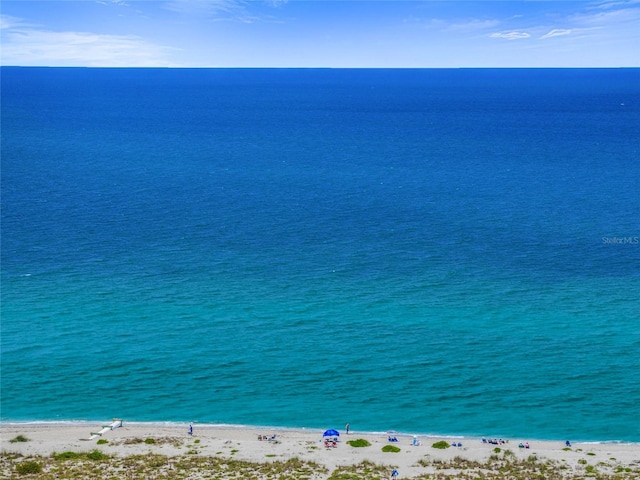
307	445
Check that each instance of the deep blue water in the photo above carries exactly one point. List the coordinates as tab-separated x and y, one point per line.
432	251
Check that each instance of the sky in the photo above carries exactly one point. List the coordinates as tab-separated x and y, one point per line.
320	33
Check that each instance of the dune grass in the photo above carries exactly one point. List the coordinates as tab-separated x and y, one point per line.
95	464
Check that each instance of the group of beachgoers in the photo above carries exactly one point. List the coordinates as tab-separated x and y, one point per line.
415	442
331	442
499	441
494	441
525	445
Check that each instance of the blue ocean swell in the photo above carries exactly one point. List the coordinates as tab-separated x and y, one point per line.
432	265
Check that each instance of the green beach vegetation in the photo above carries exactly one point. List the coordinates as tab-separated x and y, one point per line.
442	444
66	455
29	468
95	464
97	455
360	442
391	448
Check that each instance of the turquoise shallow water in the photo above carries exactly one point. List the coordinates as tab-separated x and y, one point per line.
447	252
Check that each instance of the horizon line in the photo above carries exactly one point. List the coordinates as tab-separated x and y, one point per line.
317	68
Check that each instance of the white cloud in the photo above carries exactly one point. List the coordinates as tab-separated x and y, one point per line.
474	24
448	25
114	2
613	4
514	35
219	10
276	3
27	46
229	10
609	16
557	32
205	7
7	22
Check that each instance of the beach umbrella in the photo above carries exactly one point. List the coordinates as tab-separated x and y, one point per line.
331	433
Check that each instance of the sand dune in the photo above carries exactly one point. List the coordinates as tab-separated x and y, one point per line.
613	460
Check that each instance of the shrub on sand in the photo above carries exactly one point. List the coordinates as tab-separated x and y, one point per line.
65	456
442	444
360	442
97	455
390	448
19	438
27	468
509	455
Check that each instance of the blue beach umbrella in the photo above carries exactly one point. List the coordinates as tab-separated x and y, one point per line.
331	433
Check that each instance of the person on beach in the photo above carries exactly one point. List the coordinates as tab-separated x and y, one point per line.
394	474
190	429
347	428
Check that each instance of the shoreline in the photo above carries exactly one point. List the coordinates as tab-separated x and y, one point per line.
238	443
231	426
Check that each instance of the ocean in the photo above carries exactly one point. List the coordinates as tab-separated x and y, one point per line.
446	252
